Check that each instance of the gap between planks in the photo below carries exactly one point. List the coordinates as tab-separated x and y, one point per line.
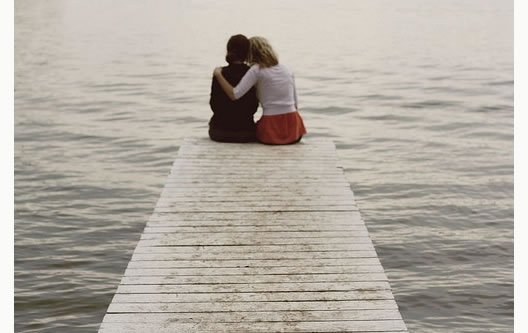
241	242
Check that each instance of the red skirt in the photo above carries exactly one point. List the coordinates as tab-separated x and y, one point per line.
280	129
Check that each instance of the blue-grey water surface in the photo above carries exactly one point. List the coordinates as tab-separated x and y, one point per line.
416	94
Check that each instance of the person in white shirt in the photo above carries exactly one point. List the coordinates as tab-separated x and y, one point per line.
281	122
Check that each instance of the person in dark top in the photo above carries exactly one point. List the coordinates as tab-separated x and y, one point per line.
232	121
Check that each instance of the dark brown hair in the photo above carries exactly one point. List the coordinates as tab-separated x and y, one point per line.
237	48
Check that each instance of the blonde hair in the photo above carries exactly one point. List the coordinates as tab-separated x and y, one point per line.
261	52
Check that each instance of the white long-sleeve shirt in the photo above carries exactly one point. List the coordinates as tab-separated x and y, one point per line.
275	88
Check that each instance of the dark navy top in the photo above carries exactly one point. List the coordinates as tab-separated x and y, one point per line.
233	115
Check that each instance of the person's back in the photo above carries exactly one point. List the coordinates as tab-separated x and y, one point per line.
232	121
275	89
231	115
281	122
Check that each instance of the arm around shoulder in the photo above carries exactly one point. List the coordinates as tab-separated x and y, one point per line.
226	86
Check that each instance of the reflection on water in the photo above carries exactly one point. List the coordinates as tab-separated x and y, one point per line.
417	95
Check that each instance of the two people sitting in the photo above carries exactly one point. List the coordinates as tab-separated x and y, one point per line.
238	88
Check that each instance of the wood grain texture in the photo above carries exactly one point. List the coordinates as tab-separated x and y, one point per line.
254	238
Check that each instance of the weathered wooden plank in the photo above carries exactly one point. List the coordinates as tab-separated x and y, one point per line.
161	219
166	221
327	181
264	171
254	279
253	316
202	144
263	189
248	193
224	307
253	263
249	151
250	208
118	307
251	249
251	192
232	201
293	164
250	155
255	238
386	326
211	172
256	205
240	224
153	228
225	241
230	204
199	144
252	196
250	287
258	255
257	185
253	256
317	215
258	234
292	296
198	166
329	217
292	270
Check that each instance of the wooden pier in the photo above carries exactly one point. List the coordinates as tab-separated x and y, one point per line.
254	238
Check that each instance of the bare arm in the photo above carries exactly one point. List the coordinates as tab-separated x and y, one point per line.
226	86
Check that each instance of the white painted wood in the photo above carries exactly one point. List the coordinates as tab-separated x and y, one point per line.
254	238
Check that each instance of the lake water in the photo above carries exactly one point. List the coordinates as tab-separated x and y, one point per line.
416	94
